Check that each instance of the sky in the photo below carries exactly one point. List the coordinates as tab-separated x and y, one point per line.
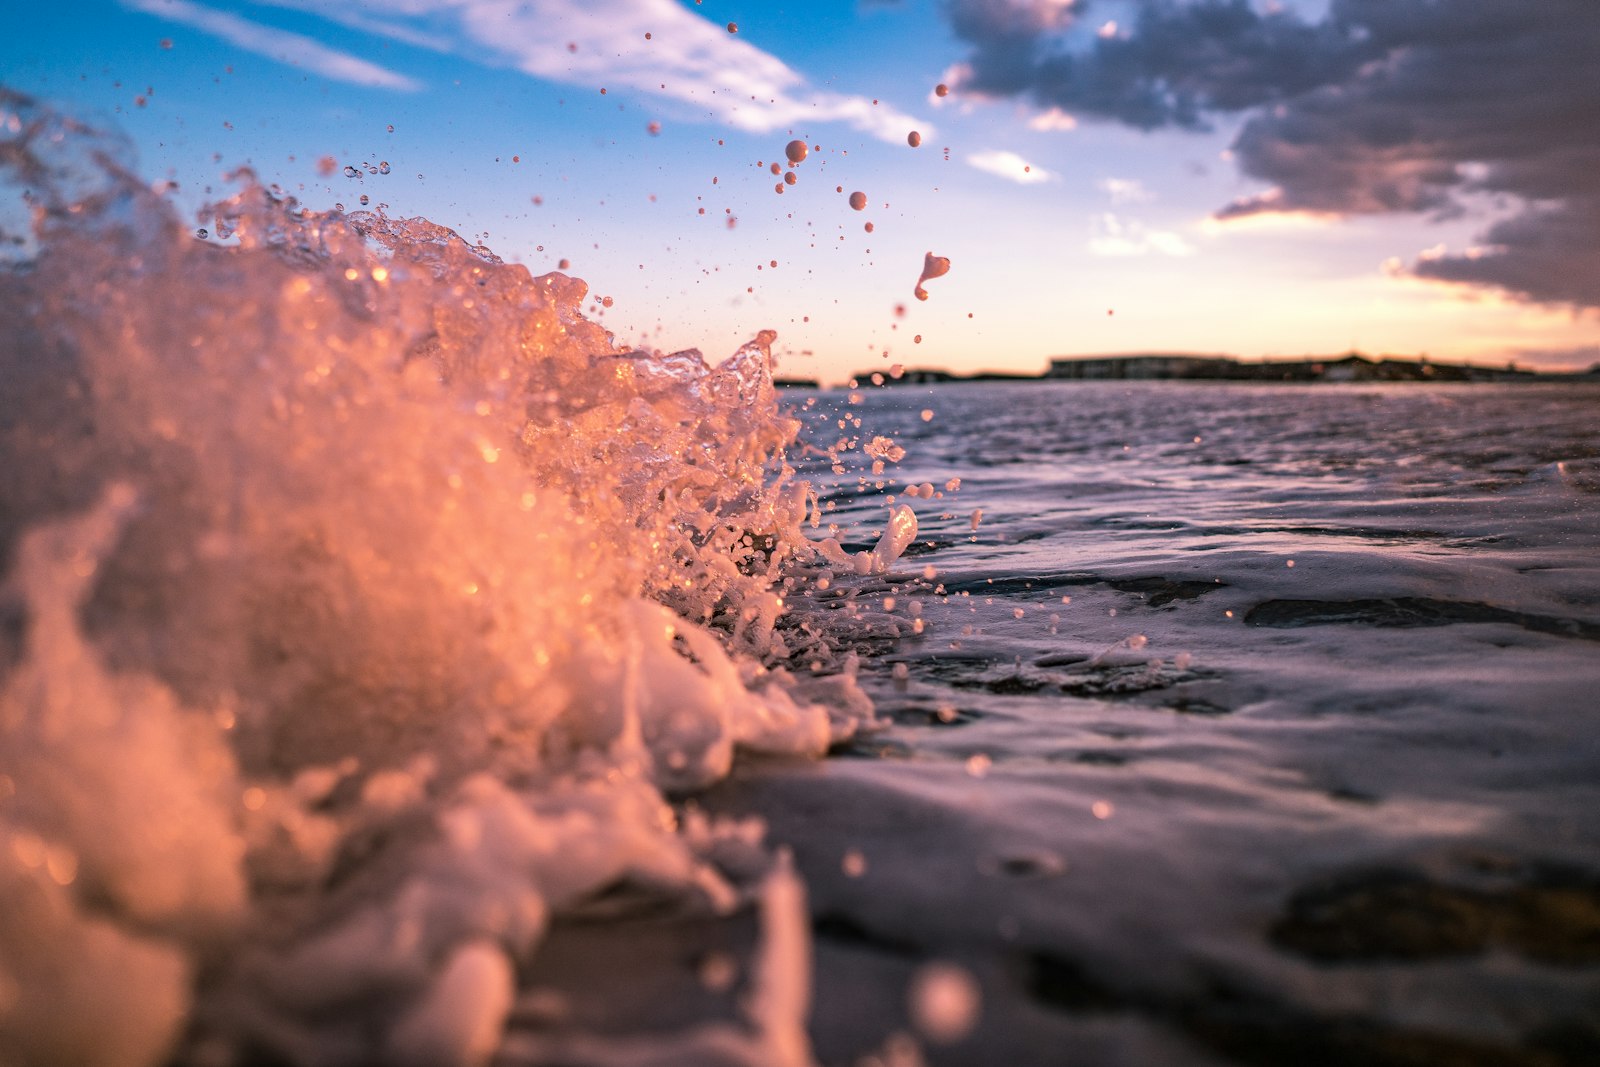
1262	179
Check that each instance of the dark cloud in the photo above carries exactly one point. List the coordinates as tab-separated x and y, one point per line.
1436	106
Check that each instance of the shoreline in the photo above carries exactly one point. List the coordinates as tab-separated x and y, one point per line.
1350	368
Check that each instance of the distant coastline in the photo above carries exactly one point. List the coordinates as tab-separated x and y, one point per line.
1173	366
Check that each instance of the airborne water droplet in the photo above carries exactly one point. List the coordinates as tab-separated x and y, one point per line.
914	139
351	172
932	267
941	89
858	200
796	151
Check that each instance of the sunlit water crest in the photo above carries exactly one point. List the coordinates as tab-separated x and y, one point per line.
364	598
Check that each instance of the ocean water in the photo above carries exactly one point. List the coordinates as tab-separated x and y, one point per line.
1251	724
395	669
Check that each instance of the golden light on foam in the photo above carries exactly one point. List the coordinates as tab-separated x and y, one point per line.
380	274
351	274
61	864
28	849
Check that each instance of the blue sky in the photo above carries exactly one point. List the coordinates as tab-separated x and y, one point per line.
1104	175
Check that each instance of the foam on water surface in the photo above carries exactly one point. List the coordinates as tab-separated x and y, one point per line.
365	601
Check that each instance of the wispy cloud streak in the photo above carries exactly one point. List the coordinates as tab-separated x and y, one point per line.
602	43
1010	166
275	44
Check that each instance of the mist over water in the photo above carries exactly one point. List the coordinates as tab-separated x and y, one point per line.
395	669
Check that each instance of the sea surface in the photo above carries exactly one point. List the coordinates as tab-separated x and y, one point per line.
1252	724
397	669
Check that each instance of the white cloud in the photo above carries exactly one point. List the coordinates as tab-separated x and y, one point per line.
601	44
276	44
1052	120
1010	166
1124	190
1114	236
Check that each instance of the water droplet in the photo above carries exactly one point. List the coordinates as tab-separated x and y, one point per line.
941	89
858	200
565	264
790	178
655	129
391	127
166	42
914	139
932	267
201	233
796	151
868	227
733	27
647	36
351	172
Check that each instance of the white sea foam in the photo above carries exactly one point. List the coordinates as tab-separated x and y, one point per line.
369	598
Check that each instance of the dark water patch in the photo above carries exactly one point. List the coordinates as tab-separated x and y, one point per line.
1353	796
1059	982
1551	917
1257	1030
1262	1033
925	546
1187	705
1096	757
1409	612
1005	684
1021	583
1124	680
1030	865
1129	522
839	928
1159	592
872	747
939	715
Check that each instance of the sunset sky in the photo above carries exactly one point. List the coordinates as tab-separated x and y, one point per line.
1261	179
